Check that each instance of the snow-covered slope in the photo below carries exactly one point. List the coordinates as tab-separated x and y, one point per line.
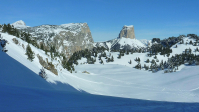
121	43
146	42
106	44
128	43
21	89
119	78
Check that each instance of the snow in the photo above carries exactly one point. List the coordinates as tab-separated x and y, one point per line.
132	42
19	24
146	42
109	45
128	25
119	79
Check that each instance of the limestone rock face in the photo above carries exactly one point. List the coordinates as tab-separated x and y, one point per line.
127	32
65	38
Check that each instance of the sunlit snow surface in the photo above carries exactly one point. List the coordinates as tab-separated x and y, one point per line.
22	88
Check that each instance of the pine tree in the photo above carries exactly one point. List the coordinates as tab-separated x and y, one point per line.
127	52
155	57
168	54
190	42
153	61
95	54
112	59
138	59
30	53
130	62
102	62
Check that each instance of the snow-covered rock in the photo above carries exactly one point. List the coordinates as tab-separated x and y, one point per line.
19	24
146	42
127	43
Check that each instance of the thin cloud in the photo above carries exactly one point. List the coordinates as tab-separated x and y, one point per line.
183	24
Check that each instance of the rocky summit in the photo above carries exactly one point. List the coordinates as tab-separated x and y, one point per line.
126	41
127	32
19	24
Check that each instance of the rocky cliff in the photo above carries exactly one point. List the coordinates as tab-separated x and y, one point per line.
65	38
127	32
126	40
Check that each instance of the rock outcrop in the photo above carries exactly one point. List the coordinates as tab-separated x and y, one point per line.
47	65
127	32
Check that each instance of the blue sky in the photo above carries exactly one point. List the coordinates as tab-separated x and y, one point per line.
151	18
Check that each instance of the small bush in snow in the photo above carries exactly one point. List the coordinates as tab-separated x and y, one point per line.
43	74
15	40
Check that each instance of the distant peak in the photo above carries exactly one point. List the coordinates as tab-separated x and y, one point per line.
19	23
127	32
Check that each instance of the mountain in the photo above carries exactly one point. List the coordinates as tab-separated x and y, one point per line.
127	32
166	71
118	78
65	38
19	24
126	41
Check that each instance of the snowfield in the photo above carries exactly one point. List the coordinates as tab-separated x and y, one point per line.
132	42
119	78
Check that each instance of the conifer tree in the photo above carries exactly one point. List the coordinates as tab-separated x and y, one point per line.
30	53
102	62
112	59
155	57
95	54
190	42
138	59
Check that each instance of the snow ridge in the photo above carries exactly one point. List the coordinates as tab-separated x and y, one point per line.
19	24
